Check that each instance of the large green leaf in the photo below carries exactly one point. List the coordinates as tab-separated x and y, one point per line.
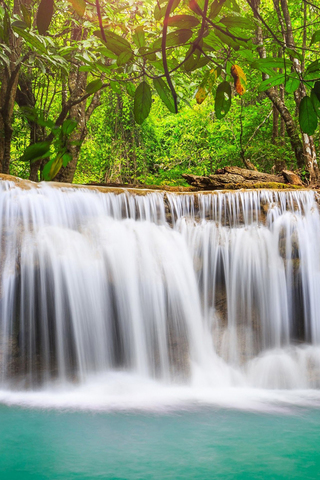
115	43
36	152
292	83
94	86
124	57
307	116
26	15
215	8
179	37
271	82
68	126
44	16
19	24
183	21
139	37
313	67
142	102
265	64
32	39
52	167
223	100
79	6
149	54
164	93
315	102
6	27
196	6
316	89
226	40
193	59
238	22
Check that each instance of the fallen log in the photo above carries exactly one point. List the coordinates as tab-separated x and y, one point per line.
231	178
292	178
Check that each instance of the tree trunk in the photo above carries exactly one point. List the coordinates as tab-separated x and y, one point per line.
9	84
77	84
291	127
309	151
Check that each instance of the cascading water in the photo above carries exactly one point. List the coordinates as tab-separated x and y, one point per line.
219	290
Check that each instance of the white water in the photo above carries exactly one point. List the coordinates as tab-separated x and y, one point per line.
105	305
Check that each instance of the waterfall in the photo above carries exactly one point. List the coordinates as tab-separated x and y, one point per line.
222	288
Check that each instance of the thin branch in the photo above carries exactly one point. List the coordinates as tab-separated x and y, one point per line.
100	21
258	128
164	54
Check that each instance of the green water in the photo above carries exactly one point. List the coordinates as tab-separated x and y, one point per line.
205	444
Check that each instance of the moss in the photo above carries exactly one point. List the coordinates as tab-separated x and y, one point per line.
276	186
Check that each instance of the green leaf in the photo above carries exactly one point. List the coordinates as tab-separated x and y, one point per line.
183	21
94	86
316	89
179	37
196	6
79	6
115	43
226	40
138	37
265	64
107	53
223	100
26	15
315	102
32	39
148	54
232	5
66	158
271	82
115	87
52	167
238	22
68	126
124	58
142	102
36	151
6	27
86	68
131	89
315	37
307	116
313	67
164	93
160	12
191	63
292	83
44	16
215	8
19	24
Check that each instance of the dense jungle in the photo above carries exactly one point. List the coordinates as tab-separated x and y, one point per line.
141	92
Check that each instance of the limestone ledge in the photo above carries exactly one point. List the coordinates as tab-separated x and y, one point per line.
144	190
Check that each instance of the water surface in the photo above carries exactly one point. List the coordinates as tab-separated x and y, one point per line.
198	444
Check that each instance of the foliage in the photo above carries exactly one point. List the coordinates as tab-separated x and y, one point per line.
196	58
